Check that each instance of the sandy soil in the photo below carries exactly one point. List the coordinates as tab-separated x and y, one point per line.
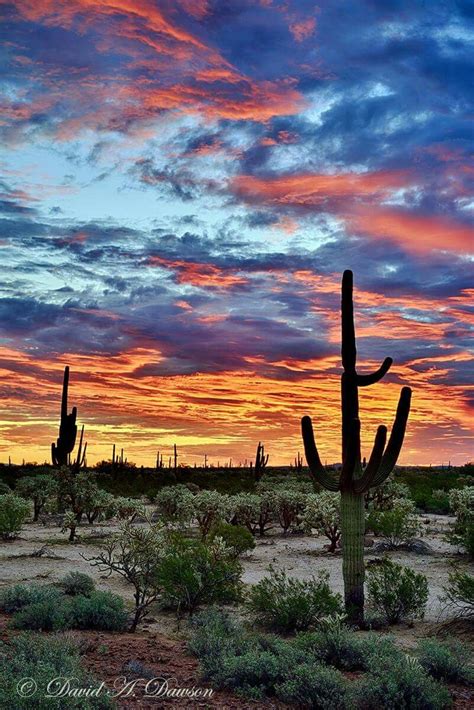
300	555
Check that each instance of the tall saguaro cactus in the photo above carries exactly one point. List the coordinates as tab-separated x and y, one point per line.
354	481
261	460
67	428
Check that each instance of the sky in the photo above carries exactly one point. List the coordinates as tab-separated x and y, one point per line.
183	183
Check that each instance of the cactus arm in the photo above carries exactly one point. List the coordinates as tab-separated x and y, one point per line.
395	442
366	380
351	456
317	470
362	484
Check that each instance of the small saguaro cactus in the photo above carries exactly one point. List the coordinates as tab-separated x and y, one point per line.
67	429
354	481
261	461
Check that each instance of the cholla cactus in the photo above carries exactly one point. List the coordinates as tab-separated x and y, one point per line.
354	481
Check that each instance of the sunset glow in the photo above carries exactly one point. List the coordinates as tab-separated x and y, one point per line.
183	184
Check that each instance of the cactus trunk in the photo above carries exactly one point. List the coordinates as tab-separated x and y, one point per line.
353	570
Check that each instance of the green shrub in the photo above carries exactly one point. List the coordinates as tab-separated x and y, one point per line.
448	662
75	583
14	598
44	659
322	513
399	685
459	594
14	512
49	614
209	508
4	488
337	645
288	506
291	604
397	592
314	686
174	505
397	525
192	572
37	488
236	537
100	610
253	674
215	635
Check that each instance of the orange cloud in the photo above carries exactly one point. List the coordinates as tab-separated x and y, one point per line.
415	232
303	29
314	188
200	275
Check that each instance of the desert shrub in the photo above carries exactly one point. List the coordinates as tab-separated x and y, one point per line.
77	583
18	596
174	505
288	507
44	659
398	685
383	497
336	645
314	686
322	513
100	610
209	507
14	512
215	635
192	572
236	537
291	604
4	488
52	613
461	503
398	592
38	489
253	674
128	508
448	662
459	594
78	495
246	511
398	525
98	505
134	553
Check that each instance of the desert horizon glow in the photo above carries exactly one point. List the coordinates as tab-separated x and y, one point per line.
183	184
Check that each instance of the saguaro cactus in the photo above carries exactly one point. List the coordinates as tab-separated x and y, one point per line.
67	429
261	461
353	480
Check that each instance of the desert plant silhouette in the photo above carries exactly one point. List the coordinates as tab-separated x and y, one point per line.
354	480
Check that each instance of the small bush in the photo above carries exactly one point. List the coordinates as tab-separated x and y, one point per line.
100	610
193	573
19	596
337	645
291	604
314	686
14	512
236	537
397	592
459	594
448	662
215	635
398	525
77	583
174	505
44	659
49	614
399	685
